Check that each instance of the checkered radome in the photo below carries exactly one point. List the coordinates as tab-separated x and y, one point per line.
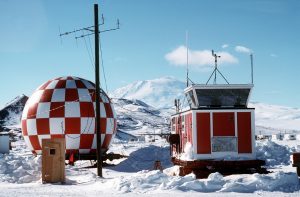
65	108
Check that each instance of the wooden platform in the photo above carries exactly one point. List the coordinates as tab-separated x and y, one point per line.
202	168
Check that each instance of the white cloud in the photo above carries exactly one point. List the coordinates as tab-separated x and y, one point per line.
242	49
201	59
224	46
273	55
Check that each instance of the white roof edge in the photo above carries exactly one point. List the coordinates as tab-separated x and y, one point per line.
217	86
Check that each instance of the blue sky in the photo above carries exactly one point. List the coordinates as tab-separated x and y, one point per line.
151	41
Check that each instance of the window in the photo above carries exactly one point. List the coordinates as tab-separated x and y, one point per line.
224	144
52	151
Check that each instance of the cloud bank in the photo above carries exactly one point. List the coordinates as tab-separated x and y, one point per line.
199	59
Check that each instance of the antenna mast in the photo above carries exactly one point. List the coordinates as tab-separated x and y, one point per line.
251	59
187	58
96	32
216	69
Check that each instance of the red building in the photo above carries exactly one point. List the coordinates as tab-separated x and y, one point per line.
218	129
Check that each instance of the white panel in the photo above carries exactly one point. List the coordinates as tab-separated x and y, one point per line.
94	146
102	110
109	125
43	110
25	112
35	97
84	151
84	95
71	84
31	127
104	98
43	137
72	109
87	125
4	144
72	141
57	125
52	84
58	95
88	84
28	143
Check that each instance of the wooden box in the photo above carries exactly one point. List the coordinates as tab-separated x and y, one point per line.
53	160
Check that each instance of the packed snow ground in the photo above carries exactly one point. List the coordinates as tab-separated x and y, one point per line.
20	171
20	174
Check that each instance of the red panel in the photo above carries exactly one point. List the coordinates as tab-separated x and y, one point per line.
87	109
71	95
203	133
244	132
42	126
72	125
86	141
47	95
223	124
24	127
61	84
57	109
31	114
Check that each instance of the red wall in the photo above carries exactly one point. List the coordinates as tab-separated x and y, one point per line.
244	132
223	124
203	133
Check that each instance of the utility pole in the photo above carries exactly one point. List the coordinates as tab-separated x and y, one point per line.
96	33
97	81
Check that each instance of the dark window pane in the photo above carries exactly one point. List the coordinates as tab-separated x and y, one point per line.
222	97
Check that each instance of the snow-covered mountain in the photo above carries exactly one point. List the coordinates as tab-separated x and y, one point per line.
159	93
11	113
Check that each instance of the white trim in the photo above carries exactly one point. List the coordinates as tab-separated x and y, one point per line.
235	125
219	86
253	132
211	130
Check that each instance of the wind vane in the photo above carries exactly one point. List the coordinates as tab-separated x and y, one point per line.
216	69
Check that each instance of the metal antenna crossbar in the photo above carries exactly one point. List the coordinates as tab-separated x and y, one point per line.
216	69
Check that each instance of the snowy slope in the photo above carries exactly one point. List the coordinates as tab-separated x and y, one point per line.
11	113
159	92
283	119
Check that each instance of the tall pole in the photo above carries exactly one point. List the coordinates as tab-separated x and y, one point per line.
97	81
251	59
187	59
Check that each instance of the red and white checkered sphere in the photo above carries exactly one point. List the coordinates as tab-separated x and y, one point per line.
65	108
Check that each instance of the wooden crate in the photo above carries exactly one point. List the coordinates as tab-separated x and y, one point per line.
53	160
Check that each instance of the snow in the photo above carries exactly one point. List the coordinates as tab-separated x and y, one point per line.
20	174
20	171
159	92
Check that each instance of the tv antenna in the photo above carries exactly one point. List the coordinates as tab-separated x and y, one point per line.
216	69
94	30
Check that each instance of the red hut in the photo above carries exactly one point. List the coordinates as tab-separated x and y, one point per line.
216	132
